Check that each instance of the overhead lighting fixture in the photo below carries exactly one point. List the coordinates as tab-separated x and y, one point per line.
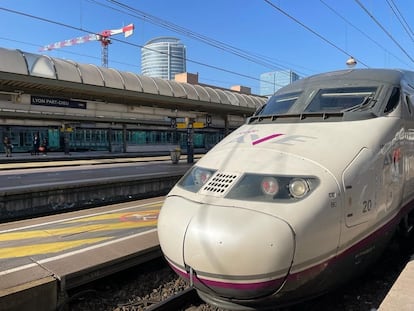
351	62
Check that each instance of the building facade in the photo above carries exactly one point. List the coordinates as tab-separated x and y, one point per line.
270	82
163	57
77	107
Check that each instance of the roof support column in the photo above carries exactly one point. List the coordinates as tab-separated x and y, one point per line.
124	138
110	138
226	125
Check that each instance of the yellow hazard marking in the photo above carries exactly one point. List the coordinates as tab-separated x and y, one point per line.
74	230
21	251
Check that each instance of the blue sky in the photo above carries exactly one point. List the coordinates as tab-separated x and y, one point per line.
318	36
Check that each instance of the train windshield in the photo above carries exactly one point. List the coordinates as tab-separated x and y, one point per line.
342	99
280	104
325	100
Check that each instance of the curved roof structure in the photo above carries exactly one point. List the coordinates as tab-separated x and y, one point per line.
21	71
163	39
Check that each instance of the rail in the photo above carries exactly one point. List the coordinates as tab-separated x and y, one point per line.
179	301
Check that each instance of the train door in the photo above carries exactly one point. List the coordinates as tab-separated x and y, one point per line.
360	180
408	157
394	153
53	139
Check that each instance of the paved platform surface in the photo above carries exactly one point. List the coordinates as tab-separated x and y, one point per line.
43	257
401	295
18	176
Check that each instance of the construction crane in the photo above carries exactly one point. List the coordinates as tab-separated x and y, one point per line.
103	37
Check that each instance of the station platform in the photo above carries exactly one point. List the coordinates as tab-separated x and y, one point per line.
401	295
38	185
42	258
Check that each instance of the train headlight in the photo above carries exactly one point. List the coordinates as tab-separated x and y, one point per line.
195	178
201	176
270	186
298	188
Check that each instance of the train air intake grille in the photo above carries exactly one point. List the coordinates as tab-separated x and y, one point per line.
219	184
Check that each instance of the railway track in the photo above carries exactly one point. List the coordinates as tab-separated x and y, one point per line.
178	301
154	287
149	286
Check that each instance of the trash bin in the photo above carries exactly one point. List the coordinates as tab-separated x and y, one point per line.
175	155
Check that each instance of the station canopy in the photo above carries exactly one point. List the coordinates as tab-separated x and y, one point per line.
41	74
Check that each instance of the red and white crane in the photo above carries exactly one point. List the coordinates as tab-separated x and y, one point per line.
103	37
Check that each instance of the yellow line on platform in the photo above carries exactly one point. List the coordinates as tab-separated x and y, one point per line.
64	232
45	248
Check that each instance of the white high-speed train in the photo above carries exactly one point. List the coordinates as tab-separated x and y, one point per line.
302	197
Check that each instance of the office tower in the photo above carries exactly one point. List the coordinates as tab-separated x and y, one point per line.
163	57
270	82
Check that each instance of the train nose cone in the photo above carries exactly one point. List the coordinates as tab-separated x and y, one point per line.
237	253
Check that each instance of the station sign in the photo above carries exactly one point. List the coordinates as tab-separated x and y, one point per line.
57	102
66	128
181	125
196	125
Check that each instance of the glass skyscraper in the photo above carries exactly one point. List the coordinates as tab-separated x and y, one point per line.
163	58
270	82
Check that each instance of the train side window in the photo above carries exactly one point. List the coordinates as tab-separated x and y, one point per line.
410	101
393	100
409	105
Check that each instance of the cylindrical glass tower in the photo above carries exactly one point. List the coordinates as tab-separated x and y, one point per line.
163	57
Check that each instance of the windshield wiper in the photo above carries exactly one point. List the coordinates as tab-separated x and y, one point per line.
366	101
